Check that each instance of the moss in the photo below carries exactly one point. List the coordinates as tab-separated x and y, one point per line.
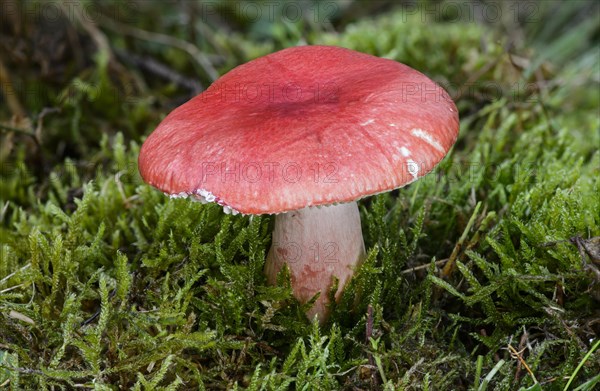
106	283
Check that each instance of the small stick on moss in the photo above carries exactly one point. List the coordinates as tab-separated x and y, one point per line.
12	288
517	354
591	247
25	132
15	272
368	335
449	267
522	343
97	313
424	266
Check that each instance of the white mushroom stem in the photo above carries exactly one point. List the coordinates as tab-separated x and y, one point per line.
317	244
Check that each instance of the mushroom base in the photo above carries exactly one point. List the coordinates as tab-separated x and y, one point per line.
317	244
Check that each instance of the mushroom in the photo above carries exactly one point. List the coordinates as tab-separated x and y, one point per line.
304	133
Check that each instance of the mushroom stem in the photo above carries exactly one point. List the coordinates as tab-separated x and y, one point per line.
317	244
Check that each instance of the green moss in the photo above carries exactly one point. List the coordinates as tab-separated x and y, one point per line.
107	283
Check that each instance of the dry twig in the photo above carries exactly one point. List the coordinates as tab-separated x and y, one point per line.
191	49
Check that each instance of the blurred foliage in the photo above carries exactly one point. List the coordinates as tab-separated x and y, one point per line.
107	284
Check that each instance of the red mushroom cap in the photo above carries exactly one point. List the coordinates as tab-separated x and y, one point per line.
305	126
